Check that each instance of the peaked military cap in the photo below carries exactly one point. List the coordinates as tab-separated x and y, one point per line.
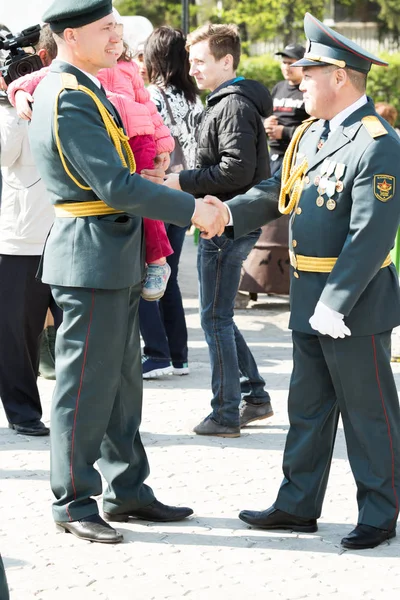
327	47
75	13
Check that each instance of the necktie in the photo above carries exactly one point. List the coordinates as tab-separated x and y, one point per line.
324	135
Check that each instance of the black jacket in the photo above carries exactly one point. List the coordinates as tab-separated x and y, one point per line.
232	153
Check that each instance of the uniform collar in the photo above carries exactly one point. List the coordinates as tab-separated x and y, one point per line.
91	77
342	116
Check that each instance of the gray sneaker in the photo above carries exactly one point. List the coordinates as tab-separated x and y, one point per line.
155	281
254	412
211	427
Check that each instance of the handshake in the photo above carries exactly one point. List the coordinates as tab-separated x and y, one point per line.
211	216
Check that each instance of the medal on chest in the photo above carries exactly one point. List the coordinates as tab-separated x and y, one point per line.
326	186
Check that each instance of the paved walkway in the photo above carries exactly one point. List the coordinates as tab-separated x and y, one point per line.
213	554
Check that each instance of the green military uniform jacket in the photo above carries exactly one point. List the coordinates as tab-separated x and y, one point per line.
359	229
98	251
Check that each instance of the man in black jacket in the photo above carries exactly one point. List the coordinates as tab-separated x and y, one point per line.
232	156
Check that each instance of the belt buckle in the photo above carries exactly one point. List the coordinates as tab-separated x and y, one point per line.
293	259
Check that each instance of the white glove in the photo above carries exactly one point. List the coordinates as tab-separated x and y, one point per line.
328	321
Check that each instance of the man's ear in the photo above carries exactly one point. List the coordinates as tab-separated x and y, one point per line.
69	35
228	61
44	57
341	76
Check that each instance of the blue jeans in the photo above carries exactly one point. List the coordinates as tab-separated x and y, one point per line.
162	323
219	266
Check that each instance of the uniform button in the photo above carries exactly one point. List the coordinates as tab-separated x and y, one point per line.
295	274
307	179
298	211
294	243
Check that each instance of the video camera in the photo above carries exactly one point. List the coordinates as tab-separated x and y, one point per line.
18	62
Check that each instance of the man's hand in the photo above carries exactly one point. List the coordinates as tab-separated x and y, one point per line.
22	105
272	129
271	121
154	175
172	181
328	322
210	217
162	160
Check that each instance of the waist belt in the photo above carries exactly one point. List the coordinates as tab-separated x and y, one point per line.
84	209
315	264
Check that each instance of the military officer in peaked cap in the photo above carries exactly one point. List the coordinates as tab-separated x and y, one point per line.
93	261
340	183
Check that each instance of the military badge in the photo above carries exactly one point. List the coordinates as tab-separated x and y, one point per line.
384	187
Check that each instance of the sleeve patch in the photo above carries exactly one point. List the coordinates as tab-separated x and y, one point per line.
384	187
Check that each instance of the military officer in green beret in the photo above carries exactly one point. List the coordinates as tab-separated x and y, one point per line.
340	184
93	261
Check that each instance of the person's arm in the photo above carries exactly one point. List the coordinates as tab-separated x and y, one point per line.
162	135
288	131
28	83
94	160
258	207
12	133
236	145
372	230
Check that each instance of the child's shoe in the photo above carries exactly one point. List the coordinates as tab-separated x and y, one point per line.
155	281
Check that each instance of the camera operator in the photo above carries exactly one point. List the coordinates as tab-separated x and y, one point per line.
25	219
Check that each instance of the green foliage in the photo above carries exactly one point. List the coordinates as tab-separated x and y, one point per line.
159	12
265	19
390	13
257	19
384	83
264	69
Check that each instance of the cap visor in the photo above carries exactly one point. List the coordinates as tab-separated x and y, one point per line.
306	62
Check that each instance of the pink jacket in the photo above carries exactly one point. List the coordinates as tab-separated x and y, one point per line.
138	113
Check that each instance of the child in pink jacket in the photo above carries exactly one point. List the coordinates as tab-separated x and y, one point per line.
149	139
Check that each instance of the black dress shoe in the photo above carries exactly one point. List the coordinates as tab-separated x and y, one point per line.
366	536
30	428
156	511
93	529
273	518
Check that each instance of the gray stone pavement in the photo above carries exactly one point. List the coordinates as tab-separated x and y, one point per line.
212	554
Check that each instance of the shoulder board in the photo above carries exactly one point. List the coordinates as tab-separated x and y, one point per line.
69	81
374	126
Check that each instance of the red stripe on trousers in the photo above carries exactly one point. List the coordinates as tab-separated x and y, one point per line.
71	470
387	424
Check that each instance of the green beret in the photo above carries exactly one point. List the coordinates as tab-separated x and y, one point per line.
327	47
75	13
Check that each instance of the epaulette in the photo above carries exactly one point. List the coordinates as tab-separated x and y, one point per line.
69	81
374	126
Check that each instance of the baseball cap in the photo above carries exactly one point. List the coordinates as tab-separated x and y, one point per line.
292	51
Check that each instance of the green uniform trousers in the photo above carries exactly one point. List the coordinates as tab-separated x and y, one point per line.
351	377
97	404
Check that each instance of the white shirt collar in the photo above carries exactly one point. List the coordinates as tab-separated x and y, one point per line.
342	116
92	77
